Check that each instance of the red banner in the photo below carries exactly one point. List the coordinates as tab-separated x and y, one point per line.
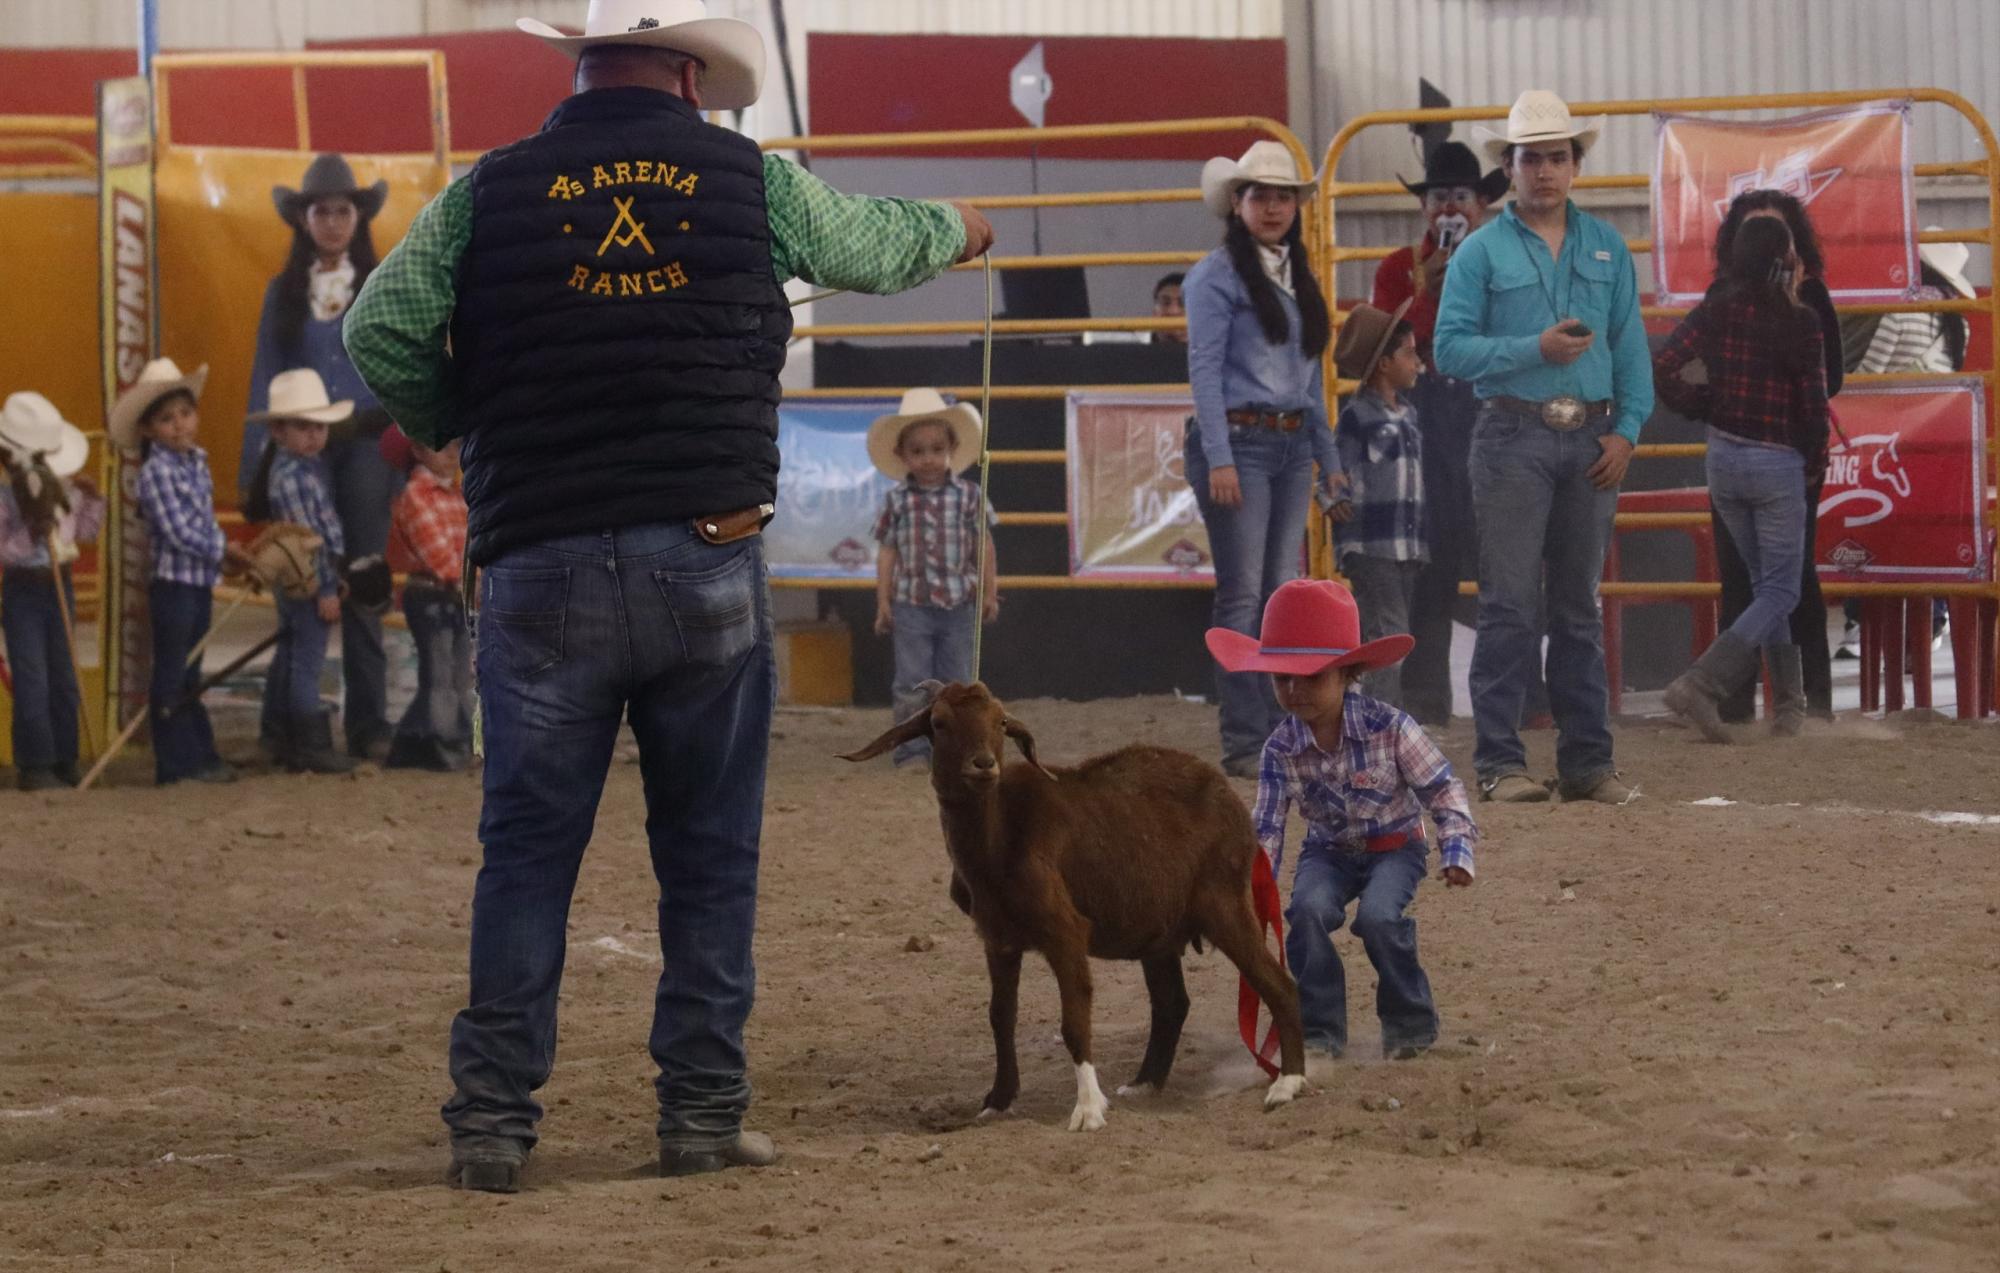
1850	167
1905	499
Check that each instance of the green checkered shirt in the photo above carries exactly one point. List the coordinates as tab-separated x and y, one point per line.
395	331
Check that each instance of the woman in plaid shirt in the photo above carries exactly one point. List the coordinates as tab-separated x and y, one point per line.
1764	398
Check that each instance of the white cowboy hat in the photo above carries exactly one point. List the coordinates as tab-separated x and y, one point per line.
1538	115
1266	163
919	405
159	378
1949	259
732	51
301	395
31	426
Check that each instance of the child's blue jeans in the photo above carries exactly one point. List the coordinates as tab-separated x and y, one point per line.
45	693
932	644
1385	883
291	689
183	743
436	730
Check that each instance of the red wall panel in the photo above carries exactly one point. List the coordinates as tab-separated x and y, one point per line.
911	83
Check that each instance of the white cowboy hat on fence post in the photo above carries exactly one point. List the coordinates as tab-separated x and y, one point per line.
731	51
1266	163
1538	116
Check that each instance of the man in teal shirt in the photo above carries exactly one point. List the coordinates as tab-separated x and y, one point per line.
611	290
1541	312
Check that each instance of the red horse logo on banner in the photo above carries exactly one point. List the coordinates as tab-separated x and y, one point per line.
1904	500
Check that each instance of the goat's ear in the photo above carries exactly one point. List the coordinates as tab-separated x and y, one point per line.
918	726
1026	742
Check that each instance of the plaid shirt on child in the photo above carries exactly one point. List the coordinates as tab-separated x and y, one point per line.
177	496
934	532
19	549
1383	455
1750	392
298	495
427	528
1377	783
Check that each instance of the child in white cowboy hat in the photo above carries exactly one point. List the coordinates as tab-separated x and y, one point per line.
293	720
1362	774
159	416
935	547
47	507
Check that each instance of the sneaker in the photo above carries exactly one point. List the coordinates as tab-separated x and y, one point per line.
1940	629
1850	642
749	1149
1514	788
218	773
1610	789
1404	1051
486	1175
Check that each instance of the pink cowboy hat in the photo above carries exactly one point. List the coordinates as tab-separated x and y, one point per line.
1309	625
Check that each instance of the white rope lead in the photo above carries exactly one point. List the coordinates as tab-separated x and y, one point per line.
985	467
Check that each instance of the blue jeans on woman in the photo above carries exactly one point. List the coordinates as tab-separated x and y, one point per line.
183	741
1543	528
932	643
1258	546
1759	492
576	635
1385	882
45	693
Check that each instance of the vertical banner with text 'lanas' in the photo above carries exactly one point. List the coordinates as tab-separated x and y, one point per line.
130	326
1850	167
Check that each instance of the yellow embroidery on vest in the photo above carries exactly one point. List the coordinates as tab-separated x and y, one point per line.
599	178
635	230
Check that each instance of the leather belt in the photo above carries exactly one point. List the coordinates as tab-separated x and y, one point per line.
1282	421
1564	414
727	528
38	574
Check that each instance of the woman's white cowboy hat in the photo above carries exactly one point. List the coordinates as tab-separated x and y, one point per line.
301	395
1538	115
159	378
1950	259
31	426
920	405
732	51
1266	163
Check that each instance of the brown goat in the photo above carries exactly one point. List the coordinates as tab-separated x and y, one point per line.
1131	855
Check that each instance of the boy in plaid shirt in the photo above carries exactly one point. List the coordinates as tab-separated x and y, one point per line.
293	717
936	548
1362	775
427	544
1383	547
160	414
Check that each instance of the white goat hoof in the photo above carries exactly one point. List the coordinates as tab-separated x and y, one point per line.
987	1114
1284	1090
1141	1090
1091	1105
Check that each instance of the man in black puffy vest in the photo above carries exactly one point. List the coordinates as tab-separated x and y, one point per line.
612	292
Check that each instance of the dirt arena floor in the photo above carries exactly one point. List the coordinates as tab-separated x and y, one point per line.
1679	1035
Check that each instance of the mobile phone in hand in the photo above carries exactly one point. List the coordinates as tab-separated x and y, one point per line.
1575	327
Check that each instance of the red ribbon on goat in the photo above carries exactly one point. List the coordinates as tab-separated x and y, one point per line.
1270	914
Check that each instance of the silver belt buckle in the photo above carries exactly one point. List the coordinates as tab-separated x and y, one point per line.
1564	414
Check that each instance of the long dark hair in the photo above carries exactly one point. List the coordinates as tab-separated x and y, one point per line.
295	280
1950	326
1315	329
1804	238
1756	272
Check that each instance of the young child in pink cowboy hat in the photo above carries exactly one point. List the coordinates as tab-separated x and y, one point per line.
1362	774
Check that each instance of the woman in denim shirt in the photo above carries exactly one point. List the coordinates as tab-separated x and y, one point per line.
1257	325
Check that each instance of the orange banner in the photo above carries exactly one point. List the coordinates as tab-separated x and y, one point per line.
1131	513
1850	167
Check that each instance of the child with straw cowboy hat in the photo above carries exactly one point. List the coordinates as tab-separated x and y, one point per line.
1362	774
936	547
47	507
299	415
159	416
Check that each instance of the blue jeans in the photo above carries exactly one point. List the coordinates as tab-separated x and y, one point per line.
45	694
1542	526
183	743
1446	409
291	686
1384	590
1257	547
436	729
932	644
1759	492
1385	883
574	635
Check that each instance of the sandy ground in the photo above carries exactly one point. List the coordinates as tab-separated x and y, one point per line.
1679	1036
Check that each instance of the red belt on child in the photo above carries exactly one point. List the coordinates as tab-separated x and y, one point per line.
1386	843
